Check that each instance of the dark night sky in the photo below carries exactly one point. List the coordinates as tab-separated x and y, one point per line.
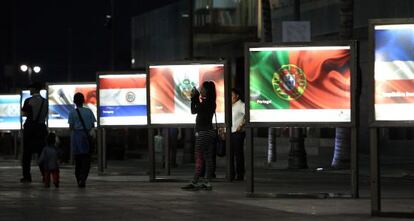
47	31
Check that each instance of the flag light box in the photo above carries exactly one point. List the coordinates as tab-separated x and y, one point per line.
10	112
60	98
299	84
122	99
394	72
170	91
26	94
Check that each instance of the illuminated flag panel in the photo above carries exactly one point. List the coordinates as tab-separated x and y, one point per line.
122	99
60	98
300	84
170	91
10	112
394	72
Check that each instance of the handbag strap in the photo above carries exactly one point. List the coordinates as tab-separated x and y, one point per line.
82	122
215	116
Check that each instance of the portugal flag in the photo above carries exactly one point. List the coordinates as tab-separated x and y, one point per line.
300	78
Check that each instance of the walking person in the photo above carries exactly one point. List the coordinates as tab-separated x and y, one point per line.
34	129
49	161
81	121
237	135
204	106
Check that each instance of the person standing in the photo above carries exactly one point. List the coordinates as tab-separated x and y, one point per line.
34	129
81	121
237	134
49	161
174	135
204	106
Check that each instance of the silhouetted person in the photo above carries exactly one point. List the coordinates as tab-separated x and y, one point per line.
204	106
49	161
237	134
81	121
34	129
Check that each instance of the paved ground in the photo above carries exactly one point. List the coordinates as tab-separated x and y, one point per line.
124	193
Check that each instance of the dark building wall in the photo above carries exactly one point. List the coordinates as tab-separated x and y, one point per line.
325	20
160	35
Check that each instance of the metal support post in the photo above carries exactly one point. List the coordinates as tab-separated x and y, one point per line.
354	163
20	154
250	160
15	135
100	151
151	155
167	152
229	156
104	150
375	173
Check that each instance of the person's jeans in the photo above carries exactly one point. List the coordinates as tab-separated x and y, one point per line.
33	142
82	166
203	154
237	142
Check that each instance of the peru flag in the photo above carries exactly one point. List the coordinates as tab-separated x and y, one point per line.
122	99
171	86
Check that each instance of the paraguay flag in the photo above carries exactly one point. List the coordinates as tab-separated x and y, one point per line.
394	72
122	99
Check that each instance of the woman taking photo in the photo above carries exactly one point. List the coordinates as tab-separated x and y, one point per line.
203	104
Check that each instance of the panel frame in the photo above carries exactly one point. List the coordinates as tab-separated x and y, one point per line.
371	73
227	92
353	69
64	83
128	72
20	122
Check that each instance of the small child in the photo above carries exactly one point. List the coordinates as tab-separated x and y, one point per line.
48	161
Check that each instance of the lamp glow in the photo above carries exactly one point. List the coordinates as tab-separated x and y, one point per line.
24	67
36	69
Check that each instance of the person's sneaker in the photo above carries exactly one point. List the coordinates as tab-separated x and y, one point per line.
25	180
193	186
239	179
81	184
206	186
57	185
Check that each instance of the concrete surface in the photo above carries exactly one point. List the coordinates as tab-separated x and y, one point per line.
124	193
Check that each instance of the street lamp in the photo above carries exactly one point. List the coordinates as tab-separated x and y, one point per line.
36	69
30	69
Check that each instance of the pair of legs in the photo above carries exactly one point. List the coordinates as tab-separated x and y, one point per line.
51	173
204	158
82	166
26	163
33	142
237	142
213	169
